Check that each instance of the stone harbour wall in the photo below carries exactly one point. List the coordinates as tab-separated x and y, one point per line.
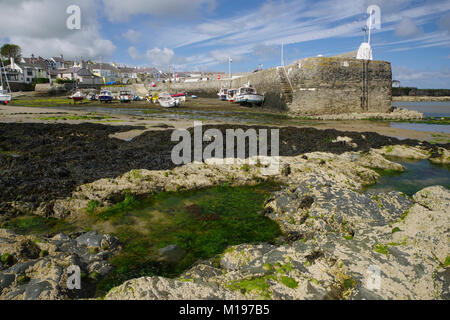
314	86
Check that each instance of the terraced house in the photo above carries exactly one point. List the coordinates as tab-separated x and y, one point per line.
27	71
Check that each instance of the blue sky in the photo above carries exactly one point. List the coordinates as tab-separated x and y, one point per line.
201	34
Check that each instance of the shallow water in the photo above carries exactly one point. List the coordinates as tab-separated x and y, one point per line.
431	109
421	127
418	175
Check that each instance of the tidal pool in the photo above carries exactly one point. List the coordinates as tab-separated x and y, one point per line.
418	175
202	222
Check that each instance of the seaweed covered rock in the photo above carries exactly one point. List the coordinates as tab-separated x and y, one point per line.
37	268
397	251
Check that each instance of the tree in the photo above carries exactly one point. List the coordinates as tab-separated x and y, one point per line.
11	51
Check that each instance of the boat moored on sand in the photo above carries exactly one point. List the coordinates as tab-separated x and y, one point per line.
231	95
167	101
223	94
78	96
248	96
5	97
106	96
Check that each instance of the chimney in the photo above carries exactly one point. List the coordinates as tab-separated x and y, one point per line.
13	65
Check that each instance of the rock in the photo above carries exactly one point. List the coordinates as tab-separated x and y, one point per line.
90	239
37	276
238	256
442	156
375	160
308	210
426	225
397	251
435	198
6	280
172	253
29	250
405	152
157	288
40	291
286	170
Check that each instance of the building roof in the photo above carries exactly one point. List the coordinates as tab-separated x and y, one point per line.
103	66
128	70
80	72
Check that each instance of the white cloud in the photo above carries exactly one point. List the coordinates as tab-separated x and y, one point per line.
421	78
444	22
134	53
407	28
39	27
222	56
265	52
164	57
120	10
132	35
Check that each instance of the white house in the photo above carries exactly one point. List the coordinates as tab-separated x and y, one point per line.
25	72
128	74
106	71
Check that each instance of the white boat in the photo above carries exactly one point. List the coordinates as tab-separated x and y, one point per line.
231	95
125	96
223	94
248	95
106	96
5	96
167	101
78	96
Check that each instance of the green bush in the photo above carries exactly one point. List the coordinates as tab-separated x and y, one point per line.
41	80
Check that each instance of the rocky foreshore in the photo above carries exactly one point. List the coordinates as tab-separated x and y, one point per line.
396	114
36	268
335	239
406	243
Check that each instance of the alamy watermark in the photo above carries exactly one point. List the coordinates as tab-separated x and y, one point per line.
373	278
374	20
73	22
214	152
74	278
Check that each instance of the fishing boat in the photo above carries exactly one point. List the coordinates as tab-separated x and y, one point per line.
231	94
93	96
5	95
167	101
223	94
125	96
78	96
106	96
181	96
248	96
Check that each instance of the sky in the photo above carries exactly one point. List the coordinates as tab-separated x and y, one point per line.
200	35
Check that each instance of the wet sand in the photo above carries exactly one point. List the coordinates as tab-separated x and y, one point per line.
157	119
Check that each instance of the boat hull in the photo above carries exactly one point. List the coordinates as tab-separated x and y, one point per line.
5	98
250	98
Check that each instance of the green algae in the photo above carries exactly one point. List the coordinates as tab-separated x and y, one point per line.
202	222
